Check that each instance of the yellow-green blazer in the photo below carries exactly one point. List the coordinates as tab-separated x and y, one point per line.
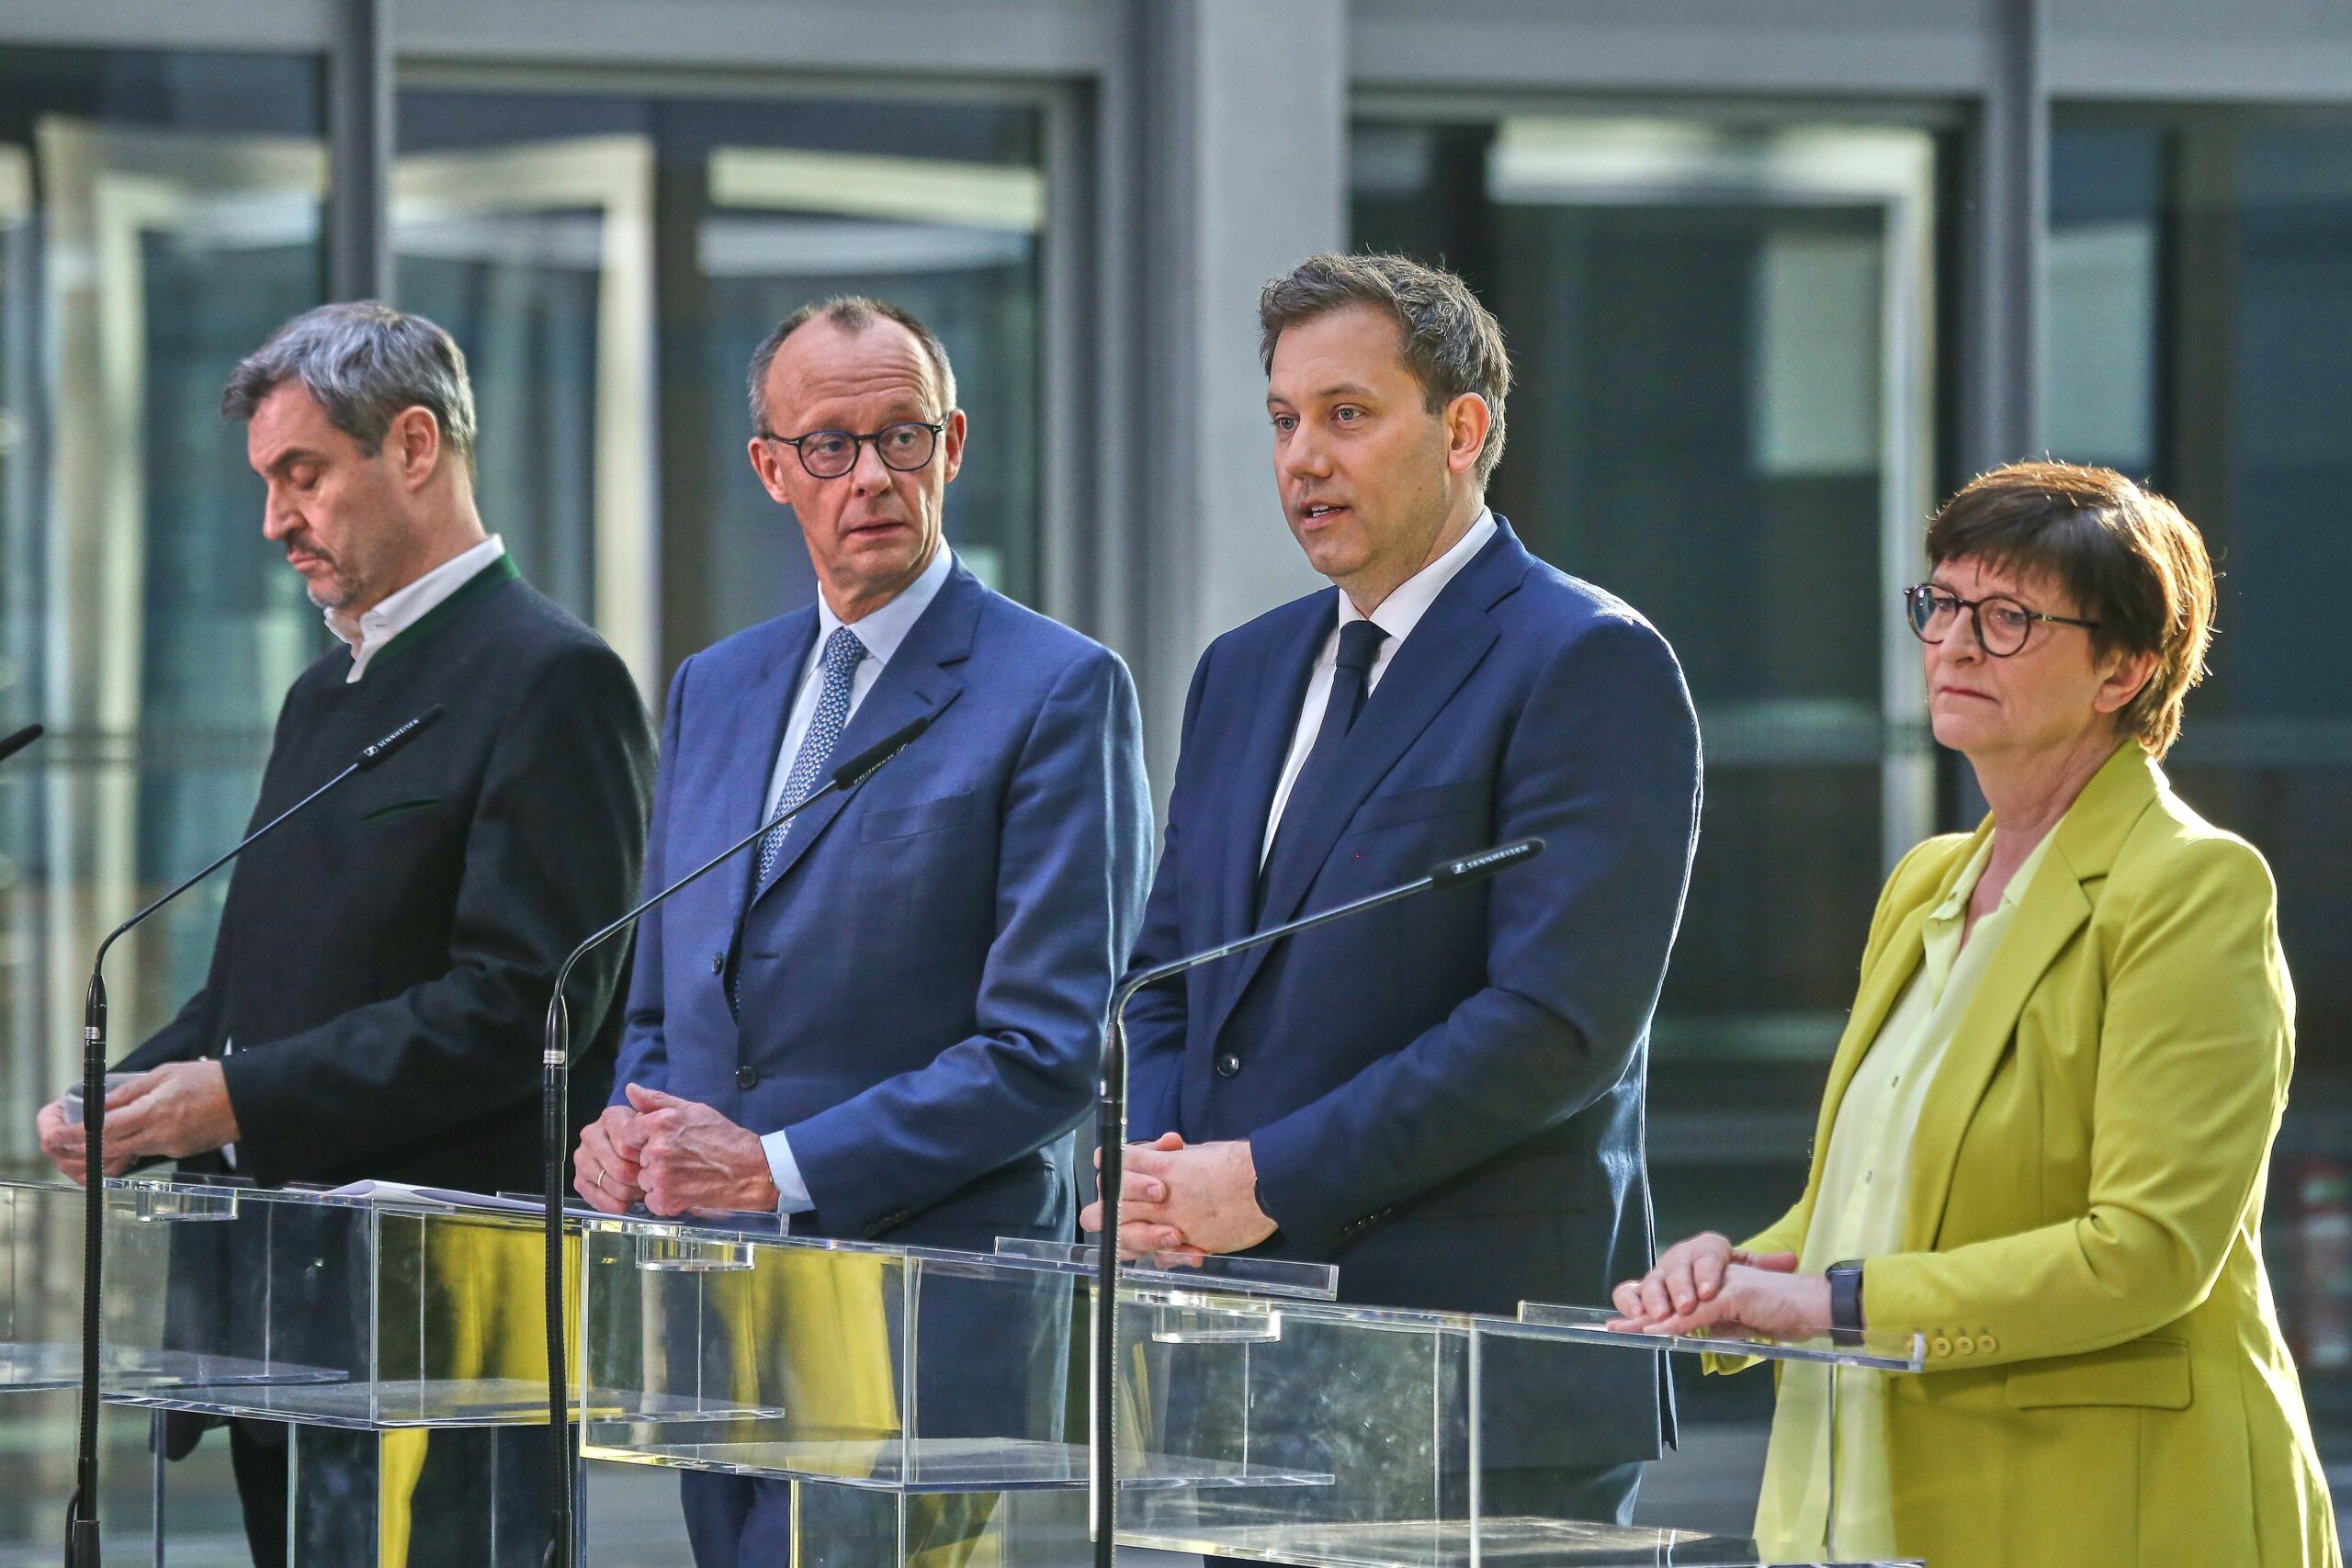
2106	1382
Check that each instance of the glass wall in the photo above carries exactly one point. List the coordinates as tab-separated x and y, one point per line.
158	215
1720	341
610	262
2200	335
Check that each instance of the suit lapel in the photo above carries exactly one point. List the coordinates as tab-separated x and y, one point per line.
1450	641
749	759
1259	769
2051	911
916	682
2047	918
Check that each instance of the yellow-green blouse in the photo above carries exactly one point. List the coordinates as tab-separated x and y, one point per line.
1865	1183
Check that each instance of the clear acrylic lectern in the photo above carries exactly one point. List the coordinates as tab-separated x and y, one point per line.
401	1338
1385	1439
930	1406
927	1406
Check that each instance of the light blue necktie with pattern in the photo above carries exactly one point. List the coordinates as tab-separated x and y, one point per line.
842	654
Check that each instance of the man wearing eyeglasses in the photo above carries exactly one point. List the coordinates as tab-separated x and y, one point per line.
885	1022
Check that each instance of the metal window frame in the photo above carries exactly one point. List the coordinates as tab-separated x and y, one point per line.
1769	165
1061	588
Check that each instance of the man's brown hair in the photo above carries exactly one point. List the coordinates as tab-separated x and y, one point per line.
1452	343
2126	556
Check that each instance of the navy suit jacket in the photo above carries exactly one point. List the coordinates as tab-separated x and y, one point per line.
926	970
1445	1095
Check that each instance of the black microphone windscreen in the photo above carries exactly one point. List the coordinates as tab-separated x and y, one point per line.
1484	863
19	740
375	755
849	773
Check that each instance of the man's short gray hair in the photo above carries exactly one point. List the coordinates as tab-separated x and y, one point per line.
365	363
1452	343
851	313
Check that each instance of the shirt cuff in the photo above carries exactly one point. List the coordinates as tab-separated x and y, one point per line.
784	1172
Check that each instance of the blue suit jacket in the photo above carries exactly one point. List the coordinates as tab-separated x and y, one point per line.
925	971
1445	1095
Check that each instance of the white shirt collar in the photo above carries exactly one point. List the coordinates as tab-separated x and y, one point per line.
884	629
1402	609
395	612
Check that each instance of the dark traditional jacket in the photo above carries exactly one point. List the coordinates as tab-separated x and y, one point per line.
383	960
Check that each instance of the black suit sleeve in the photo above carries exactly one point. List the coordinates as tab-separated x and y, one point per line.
552	853
182	1040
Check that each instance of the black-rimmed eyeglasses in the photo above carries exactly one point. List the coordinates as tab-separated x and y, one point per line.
2002	623
830	454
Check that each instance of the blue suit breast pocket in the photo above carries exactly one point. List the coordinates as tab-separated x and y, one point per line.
922	816
1461	799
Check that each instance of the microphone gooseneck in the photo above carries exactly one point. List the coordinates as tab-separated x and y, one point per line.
1111	1142
374	757
82	1510
555	1067
12	744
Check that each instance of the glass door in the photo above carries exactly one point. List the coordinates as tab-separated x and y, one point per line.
1726	340
160	630
1721	344
539	258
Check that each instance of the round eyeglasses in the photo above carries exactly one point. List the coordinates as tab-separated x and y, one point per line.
2002	623
830	454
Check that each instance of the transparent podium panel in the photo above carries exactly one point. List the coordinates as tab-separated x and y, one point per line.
1329	1436
419	1497
859	1527
367	1313
727	1349
41	1226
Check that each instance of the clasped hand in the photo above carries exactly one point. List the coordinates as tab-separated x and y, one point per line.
1706	1283
673	1156
1180	1201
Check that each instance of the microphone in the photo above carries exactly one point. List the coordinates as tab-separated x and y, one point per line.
19	740
1111	1140
82	1511
555	1062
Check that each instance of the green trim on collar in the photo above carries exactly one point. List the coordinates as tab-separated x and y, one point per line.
503	569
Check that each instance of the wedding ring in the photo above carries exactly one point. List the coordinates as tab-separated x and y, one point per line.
599	1180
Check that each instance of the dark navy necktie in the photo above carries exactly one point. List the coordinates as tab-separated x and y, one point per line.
1351	679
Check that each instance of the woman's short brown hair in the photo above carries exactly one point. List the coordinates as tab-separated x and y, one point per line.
2126	556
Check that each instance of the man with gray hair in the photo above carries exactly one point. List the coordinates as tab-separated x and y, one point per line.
1442	1096
383	961
883	1022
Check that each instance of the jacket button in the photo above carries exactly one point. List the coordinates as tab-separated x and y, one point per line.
1228	1066
746	1076
1987	1344
718	963
1940	1346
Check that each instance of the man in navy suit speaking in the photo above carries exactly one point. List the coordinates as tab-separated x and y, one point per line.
1444	1097
885	1020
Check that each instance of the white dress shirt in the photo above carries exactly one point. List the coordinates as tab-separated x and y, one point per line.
1397	616
881	631
398	611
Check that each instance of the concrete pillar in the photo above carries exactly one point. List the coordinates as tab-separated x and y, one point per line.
1236	122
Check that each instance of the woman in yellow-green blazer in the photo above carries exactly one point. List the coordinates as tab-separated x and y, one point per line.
2043	1142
